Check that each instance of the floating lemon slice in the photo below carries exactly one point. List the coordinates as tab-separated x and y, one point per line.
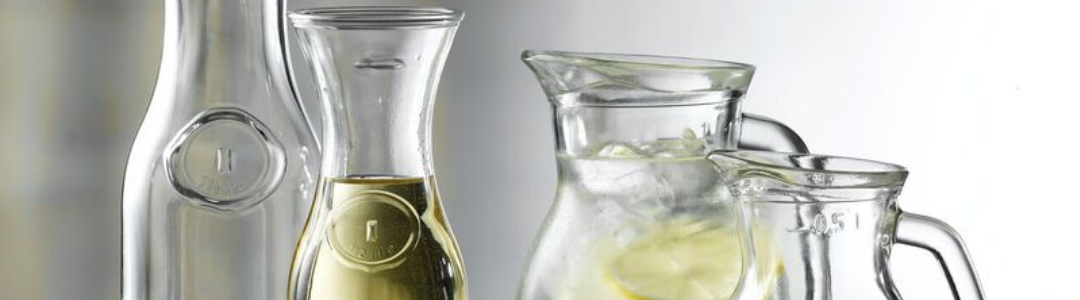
685	262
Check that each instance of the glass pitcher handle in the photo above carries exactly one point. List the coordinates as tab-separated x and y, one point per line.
940	239
762	133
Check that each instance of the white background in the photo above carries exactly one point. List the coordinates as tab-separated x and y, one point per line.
977	98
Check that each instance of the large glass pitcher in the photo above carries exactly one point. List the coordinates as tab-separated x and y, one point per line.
221	173
377	229
640	213
827	224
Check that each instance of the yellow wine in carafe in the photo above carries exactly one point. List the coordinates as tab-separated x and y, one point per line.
383	239
376	230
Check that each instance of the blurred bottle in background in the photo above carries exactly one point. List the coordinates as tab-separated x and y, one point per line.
76	78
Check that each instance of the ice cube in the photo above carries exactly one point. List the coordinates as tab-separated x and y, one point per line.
620	150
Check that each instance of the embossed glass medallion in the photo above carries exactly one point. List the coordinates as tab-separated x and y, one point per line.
225	159
372	229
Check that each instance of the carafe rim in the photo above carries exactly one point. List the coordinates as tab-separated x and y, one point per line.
375	17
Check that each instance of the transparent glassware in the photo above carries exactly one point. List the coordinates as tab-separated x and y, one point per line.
831	222
637	200
377	229
221	174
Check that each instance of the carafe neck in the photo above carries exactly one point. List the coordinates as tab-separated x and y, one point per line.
378	71
224	48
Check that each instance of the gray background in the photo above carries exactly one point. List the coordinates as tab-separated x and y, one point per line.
978	98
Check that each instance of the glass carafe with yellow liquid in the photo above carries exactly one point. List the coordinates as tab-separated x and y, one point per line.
376	230
640	213
830	223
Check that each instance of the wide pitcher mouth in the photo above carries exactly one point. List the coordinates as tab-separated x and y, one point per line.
642	61
636	80
375	17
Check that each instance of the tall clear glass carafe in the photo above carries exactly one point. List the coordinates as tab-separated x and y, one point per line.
640	212
830	224
221	174
377	229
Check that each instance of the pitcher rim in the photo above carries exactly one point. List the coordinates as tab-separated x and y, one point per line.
674	62
876	173
375	17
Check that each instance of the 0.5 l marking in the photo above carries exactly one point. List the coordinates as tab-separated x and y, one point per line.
828	223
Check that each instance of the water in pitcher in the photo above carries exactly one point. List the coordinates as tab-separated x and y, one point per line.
656	222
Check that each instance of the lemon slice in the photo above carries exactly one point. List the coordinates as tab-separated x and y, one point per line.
684	262
675	265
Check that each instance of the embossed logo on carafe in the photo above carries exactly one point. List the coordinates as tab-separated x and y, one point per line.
372	230
226	159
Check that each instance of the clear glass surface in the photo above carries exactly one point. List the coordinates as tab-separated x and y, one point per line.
640	213
222	171
377	229
831	223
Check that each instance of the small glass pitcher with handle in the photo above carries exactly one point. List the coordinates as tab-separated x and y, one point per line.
827	225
